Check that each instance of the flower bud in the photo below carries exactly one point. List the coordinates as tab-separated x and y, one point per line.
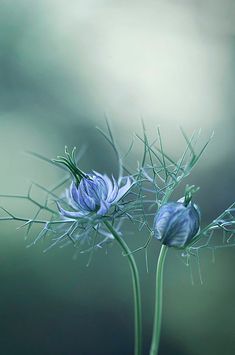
175	224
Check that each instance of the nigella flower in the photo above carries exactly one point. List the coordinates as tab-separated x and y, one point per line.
176	223
95	193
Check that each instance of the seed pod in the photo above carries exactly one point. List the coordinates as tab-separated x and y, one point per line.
175	224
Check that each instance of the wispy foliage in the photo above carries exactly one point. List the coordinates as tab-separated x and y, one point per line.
154	179
85	233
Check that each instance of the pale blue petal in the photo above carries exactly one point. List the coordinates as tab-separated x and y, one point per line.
104	207
86	201
123	190
108	184
92	190
71	214
74	196
113	195
69	198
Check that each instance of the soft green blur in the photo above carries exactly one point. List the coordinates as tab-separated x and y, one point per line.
64	66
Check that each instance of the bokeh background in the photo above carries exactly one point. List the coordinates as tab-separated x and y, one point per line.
64	66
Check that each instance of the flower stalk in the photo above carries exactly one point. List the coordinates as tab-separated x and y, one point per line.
158	301
136	289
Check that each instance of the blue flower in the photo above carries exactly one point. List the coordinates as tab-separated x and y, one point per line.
96	193
175	224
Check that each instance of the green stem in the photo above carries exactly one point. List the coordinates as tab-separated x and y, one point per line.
136	289
158	302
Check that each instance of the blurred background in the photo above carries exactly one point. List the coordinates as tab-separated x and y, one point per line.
64	66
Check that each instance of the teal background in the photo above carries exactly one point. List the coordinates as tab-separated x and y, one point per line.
64	65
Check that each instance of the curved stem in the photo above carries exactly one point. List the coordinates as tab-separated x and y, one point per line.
136	289
158	302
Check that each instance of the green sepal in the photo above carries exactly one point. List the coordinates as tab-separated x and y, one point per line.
189	191
69	161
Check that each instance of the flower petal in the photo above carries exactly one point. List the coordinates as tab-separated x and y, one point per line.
87	202
108	184
102	184
112	196
74	201
91	190
123	190
104	207
69	198
71	214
